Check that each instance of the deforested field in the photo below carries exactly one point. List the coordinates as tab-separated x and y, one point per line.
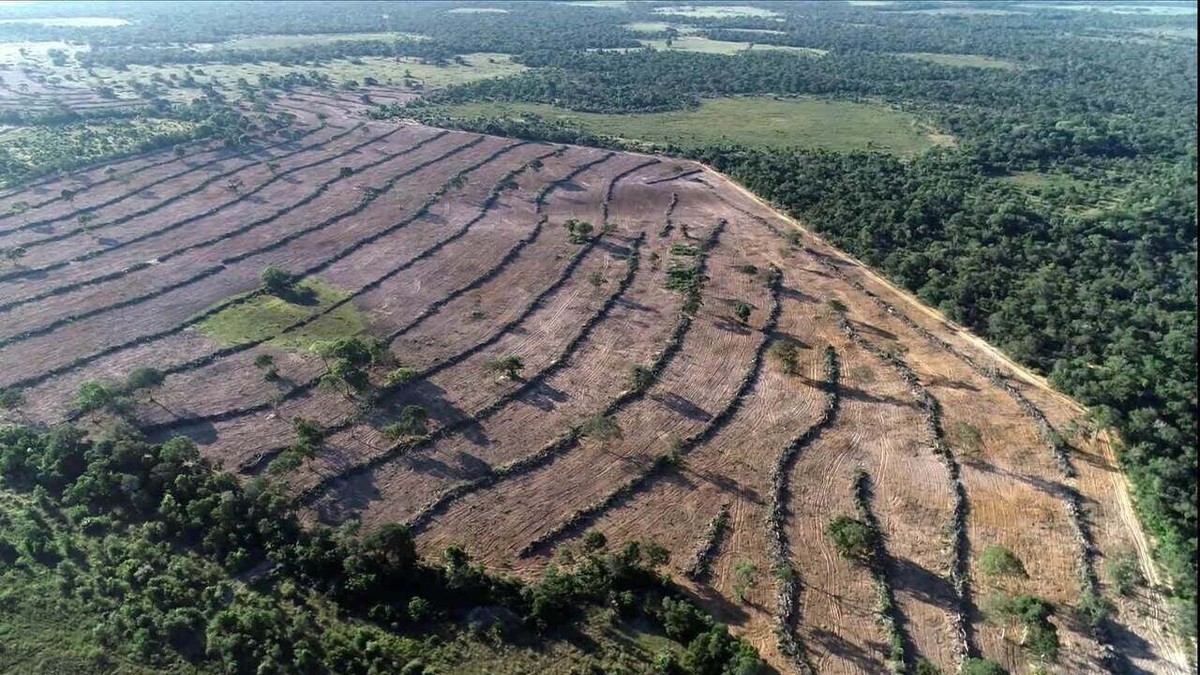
696	370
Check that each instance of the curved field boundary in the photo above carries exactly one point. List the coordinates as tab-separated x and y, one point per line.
66	288
214	309
552	450
497	191
513	253
787	608
309	495
890	617
661	463
210	271
699	565
961	545
165	202
267	455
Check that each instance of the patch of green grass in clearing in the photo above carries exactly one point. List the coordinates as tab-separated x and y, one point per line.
283	41
752	121
266	315
696	43
962	60
659	26
716	11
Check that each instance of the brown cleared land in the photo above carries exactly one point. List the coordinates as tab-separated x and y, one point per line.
452	249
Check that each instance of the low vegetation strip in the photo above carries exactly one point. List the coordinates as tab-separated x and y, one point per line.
301	388
668	218
162	203
362	205
663	463
167	228
902	657
787	589
960	542
190	168
699	565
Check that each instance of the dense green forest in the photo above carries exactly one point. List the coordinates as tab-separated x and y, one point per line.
1061	226
183	568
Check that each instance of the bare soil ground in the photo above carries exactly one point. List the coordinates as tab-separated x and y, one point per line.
454	248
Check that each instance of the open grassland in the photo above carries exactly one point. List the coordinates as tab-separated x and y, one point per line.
756	121
963	60
715	11
696	43
690	368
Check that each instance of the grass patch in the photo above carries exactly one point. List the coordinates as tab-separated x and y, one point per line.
658	27
962	60
695	43
716	11
266	315
753	121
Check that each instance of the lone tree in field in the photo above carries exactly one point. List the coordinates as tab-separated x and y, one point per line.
413	421
742	310
508	366
852	537
578	231
787	353
642	378
309	436
276	281
999	561
94	396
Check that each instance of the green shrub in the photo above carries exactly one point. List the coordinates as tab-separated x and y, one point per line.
1124	572
999	561
852	537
